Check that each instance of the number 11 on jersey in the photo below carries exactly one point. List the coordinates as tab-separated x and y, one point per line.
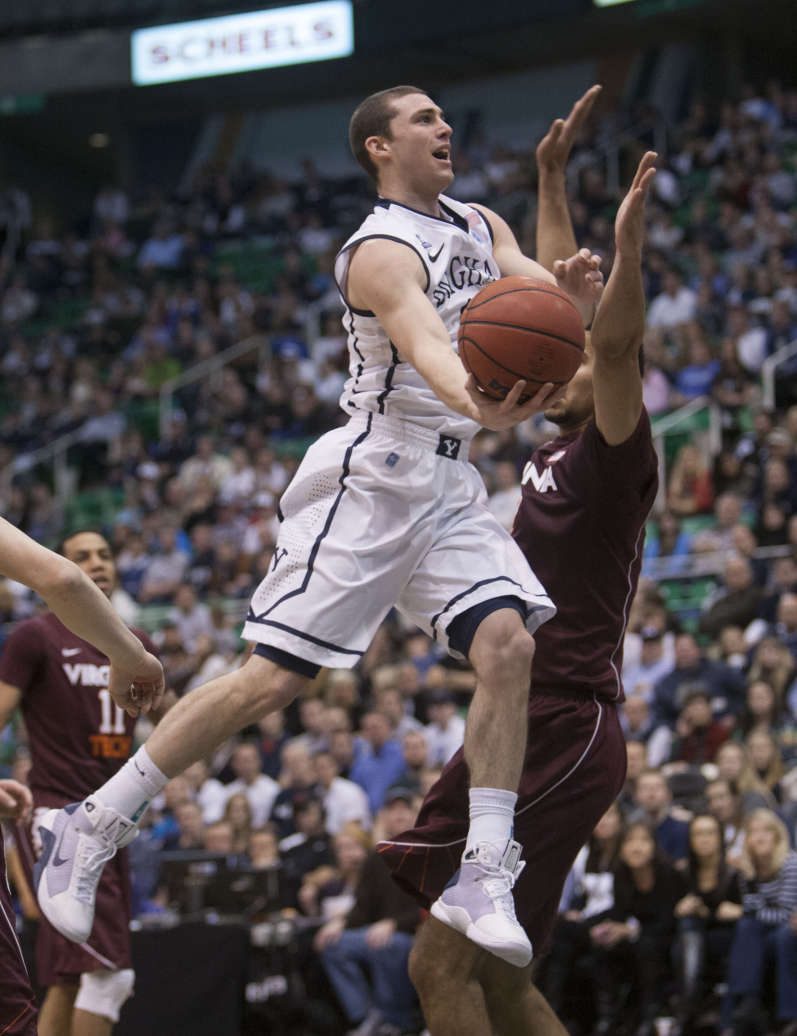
113	718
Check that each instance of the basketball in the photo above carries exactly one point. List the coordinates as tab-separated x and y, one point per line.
520	328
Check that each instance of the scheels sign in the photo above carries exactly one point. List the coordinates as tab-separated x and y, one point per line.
243	42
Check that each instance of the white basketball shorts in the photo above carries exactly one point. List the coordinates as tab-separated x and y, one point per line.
379	514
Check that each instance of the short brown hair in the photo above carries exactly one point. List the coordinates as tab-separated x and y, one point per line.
371	118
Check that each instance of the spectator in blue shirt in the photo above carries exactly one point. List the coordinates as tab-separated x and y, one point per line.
378	761
725	686
653	799
697	376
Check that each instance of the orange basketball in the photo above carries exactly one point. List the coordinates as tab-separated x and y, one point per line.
520	328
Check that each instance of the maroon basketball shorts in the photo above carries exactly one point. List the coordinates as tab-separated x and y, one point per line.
573	770
59	961
17	1010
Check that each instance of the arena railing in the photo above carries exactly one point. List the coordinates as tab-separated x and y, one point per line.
208	368
769	372
55	454
687	418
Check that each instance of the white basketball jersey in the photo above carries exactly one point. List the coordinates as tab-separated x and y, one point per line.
457	255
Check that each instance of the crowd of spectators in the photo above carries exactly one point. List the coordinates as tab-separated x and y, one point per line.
698	852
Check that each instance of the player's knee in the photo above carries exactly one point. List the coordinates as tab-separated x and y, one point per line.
104	992
508	656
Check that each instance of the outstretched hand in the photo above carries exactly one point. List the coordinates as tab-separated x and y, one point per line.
581	277
553	150
498	414
629	226
138	690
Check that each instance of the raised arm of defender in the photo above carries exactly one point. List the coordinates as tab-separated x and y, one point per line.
620	322
83	608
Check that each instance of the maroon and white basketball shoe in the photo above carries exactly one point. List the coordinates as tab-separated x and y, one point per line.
478	902
77	842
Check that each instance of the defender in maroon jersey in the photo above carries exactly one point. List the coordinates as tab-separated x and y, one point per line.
586	496
80	604
78	738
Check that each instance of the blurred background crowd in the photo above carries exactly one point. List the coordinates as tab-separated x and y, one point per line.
110	334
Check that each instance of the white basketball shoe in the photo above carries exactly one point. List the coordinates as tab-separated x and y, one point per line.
478	902
77	842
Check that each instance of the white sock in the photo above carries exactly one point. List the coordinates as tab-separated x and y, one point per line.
492	814
132	789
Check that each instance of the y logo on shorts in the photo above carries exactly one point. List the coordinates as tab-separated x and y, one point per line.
392	460
448	446
279	554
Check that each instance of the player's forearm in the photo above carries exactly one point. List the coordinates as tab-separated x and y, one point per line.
555	236
84	609
620	321
443	371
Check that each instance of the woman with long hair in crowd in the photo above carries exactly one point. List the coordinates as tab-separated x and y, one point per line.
733	763
588	897
238	814
637	937
765	940
327	893
706	915
773	662
766	760
690	490
762	708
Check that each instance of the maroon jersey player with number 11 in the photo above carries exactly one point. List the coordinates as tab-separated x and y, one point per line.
80	605
78	737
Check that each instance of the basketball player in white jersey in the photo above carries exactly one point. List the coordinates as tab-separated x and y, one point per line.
386	511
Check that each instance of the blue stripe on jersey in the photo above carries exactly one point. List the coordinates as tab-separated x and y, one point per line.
476	586
354	347
327	526
388	379
304	636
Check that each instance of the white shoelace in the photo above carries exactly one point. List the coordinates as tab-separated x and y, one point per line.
498	888
90	864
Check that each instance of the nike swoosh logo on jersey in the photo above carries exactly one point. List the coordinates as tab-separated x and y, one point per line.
68	652
434	256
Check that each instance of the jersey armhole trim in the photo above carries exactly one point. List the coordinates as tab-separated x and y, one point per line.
376	237
485	221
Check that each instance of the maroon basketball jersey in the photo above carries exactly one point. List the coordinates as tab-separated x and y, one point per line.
581	524
78	736
17	1012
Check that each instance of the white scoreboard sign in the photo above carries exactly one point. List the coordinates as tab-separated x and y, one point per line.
243	42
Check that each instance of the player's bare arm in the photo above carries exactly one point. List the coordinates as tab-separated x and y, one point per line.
620	322
555	236
136	682
579	275
388	279
16	801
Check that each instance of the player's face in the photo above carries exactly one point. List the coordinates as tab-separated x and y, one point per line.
92	553
577	405
419	150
